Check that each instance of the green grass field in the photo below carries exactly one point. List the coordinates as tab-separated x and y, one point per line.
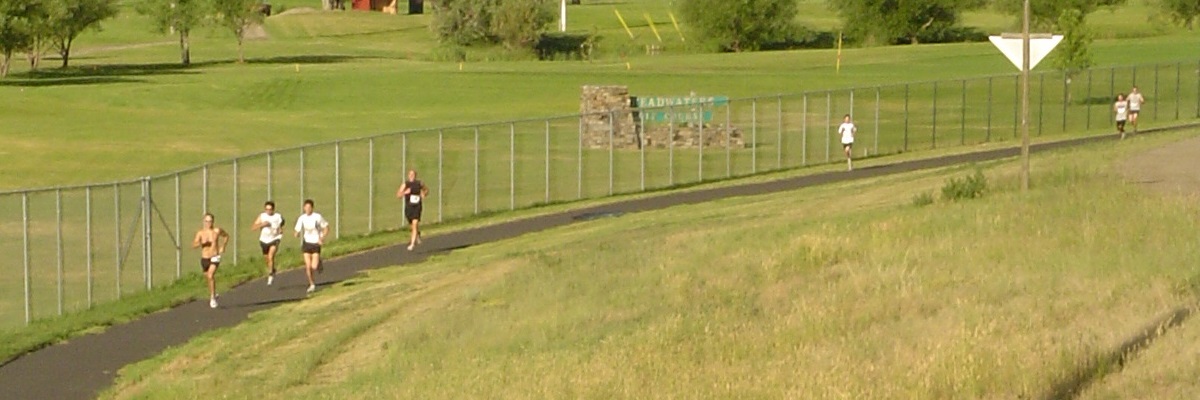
126	109
327	76
846	291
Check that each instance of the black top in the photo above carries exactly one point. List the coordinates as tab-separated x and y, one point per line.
414	189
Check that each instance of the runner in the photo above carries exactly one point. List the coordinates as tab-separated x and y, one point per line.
847	130
314	227
413	193
1121	109
271	225
1135	100
212	241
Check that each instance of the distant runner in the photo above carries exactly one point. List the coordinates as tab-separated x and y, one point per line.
212	241
413	193
314	228
1121	109
271	224
1135	100
847	130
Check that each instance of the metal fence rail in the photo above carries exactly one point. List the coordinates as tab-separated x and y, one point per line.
73	247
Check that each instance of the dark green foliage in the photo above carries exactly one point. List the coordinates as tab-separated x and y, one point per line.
69	18
1182	12
1044	15
896	21
744	25
968	187
517	24
1073	55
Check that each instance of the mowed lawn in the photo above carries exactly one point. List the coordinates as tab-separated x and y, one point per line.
126	109
845	291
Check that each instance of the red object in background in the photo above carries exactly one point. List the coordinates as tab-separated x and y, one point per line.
364	5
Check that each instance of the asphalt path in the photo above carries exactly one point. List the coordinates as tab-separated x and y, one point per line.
83	366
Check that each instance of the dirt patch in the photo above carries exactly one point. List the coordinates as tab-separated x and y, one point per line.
1173	169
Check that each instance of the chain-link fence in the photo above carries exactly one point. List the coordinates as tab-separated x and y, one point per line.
70	248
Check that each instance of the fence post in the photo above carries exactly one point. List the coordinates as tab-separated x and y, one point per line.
59	244
1087	125
828	122
147	224
1041	101
117	226
671	147
204	188
302	193
729	159
1017	105
804	132
641	137
236	212
611	117
25	235
179	229
876	149
476	170
1178	67
270	175
579	171
88	235
990	99
933	135
701	150
753	133
1155	107
1066	101
441	135
779	133
337	192
906	95
512	166
547	199
1112	90
962	136
371	185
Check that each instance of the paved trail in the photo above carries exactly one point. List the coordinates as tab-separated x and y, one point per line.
83	366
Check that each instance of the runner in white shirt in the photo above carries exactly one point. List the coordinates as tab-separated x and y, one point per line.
1121	109
314	227
271	224
847	130
1135	100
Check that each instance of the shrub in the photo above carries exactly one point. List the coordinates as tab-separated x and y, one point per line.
516	24
740	25
922	199
968	187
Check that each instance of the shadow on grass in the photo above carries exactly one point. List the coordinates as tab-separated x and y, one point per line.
124	73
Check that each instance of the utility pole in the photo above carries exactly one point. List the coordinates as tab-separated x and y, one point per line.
1025	99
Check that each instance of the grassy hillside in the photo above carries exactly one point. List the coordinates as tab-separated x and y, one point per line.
848	291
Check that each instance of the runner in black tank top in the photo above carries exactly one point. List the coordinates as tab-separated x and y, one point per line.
412	193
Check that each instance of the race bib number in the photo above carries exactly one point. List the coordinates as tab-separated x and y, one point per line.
215	259
414	199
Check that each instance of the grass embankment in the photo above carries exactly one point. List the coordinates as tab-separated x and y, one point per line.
847	291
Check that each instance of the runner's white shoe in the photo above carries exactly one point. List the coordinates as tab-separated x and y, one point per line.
212	303
311	288
270	279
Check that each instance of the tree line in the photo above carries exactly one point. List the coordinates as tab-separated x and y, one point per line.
38	27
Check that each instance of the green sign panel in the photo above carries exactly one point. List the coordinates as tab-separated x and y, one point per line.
686	109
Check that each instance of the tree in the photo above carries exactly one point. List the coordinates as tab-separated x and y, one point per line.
69	18
1182	12
519	23
177	16
1045	14
237	16
744	25
893	21
16	29
1073	55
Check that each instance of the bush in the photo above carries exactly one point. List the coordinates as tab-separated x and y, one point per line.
968	187
564	46
922	199
516	24
740	25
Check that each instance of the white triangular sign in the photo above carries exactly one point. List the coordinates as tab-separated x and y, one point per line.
1039	47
